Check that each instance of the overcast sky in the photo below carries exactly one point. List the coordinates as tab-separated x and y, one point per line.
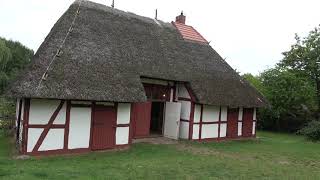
250	34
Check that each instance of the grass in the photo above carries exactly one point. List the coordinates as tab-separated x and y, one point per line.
272	156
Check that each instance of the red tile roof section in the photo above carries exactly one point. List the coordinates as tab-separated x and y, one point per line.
189	33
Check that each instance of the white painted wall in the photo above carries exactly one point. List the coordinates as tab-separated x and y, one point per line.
53	141
239	128
123	117
123	113
17	111
254	114
122	135
197	113
223	129
195	134
240	114
33	136
254	128
41	110
171	95
224	113
209	131
184	130
185	110
240	117
182	91
210	113
79	130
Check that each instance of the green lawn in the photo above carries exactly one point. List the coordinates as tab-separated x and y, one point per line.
272	156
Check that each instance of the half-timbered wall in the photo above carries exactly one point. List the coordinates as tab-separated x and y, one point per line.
209	122
123	123
63	126
40	113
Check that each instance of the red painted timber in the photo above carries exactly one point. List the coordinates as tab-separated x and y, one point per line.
141	113
232	122
25	125
104	127
247	122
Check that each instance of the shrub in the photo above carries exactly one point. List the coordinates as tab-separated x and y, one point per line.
311	131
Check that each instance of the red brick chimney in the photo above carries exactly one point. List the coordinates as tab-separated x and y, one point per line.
181	19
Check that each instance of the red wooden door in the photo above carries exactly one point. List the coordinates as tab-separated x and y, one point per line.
104	127
141	113
232	123
247	122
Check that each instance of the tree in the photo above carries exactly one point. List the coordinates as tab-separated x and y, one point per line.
255	81
292	99
304	59
13	58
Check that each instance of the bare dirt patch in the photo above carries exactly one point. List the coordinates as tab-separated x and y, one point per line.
156	140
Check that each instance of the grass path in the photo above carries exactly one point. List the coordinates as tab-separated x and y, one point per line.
272	156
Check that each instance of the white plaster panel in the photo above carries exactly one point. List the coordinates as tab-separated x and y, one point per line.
254	128
22	110
195	133
223	129
224	113
53	141
41	110
122	135
182	91
209	131
239	128
185	110
254	113
123	113
197	113
17	109
240	114
184	130
33	136
80	125
210	113
20	131
61	117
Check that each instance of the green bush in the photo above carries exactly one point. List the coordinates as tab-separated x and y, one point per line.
311	131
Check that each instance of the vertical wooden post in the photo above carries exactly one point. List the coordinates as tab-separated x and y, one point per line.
25	125
67	126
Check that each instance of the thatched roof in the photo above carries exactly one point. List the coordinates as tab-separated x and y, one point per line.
107	52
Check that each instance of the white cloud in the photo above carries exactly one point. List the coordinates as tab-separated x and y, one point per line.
250	34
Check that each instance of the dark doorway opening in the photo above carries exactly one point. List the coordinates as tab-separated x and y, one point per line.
156	124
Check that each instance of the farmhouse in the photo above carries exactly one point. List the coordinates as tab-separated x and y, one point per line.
103	77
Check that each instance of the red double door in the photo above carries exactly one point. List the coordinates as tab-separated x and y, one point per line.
247	123
232	122
104	127
141	119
